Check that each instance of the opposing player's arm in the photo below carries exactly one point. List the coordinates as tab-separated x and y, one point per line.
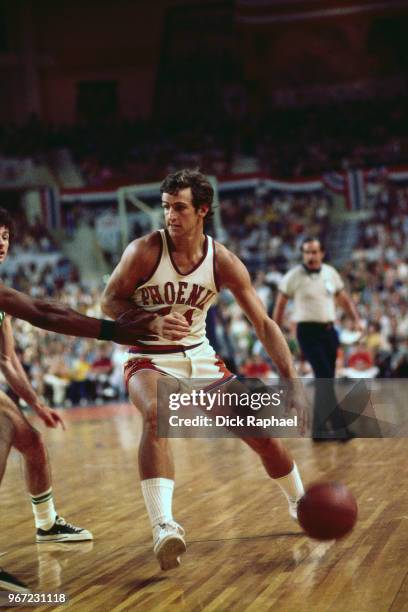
11	367
233	275
61	319
279	309
16	377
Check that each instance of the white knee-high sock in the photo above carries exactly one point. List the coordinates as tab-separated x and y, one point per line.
158	496
43	509
291	484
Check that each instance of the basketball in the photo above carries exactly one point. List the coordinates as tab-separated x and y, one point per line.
327	511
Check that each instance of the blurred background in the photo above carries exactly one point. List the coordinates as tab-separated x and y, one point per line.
298	111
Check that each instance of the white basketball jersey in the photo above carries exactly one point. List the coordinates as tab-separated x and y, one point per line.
169	290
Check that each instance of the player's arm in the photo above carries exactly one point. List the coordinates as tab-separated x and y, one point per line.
279	309
137	264
233	275
344	301
16	377
11	367
61	319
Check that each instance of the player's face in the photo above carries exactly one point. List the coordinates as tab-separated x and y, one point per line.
4	242
312	254
180	215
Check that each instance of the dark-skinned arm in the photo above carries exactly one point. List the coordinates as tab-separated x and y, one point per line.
56	317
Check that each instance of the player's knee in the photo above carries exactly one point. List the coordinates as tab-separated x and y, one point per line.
30	441
150	415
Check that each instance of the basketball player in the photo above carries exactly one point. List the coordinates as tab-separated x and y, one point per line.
15	430
176	273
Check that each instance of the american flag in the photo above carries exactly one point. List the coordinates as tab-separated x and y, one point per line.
351	184
50	206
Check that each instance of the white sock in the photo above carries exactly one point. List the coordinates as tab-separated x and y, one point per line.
43	509
158	496
291	484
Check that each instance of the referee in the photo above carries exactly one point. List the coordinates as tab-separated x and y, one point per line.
315	288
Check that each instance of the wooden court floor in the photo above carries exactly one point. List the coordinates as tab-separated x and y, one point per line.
244	552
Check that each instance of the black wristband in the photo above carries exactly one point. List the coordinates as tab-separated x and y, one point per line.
107	331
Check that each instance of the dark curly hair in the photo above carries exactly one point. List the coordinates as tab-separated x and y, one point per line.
7	221
201	188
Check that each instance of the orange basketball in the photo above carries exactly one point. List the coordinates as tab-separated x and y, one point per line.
327	511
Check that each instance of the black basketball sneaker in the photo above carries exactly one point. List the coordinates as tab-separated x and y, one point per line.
62	531
8	582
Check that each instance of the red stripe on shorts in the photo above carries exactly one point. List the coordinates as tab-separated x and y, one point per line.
222	367
226	375
135	365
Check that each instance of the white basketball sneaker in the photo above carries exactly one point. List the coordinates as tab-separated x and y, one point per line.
168	544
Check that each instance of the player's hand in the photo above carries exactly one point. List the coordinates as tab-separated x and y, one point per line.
134	325
50	417
138	324
172	326
296	401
